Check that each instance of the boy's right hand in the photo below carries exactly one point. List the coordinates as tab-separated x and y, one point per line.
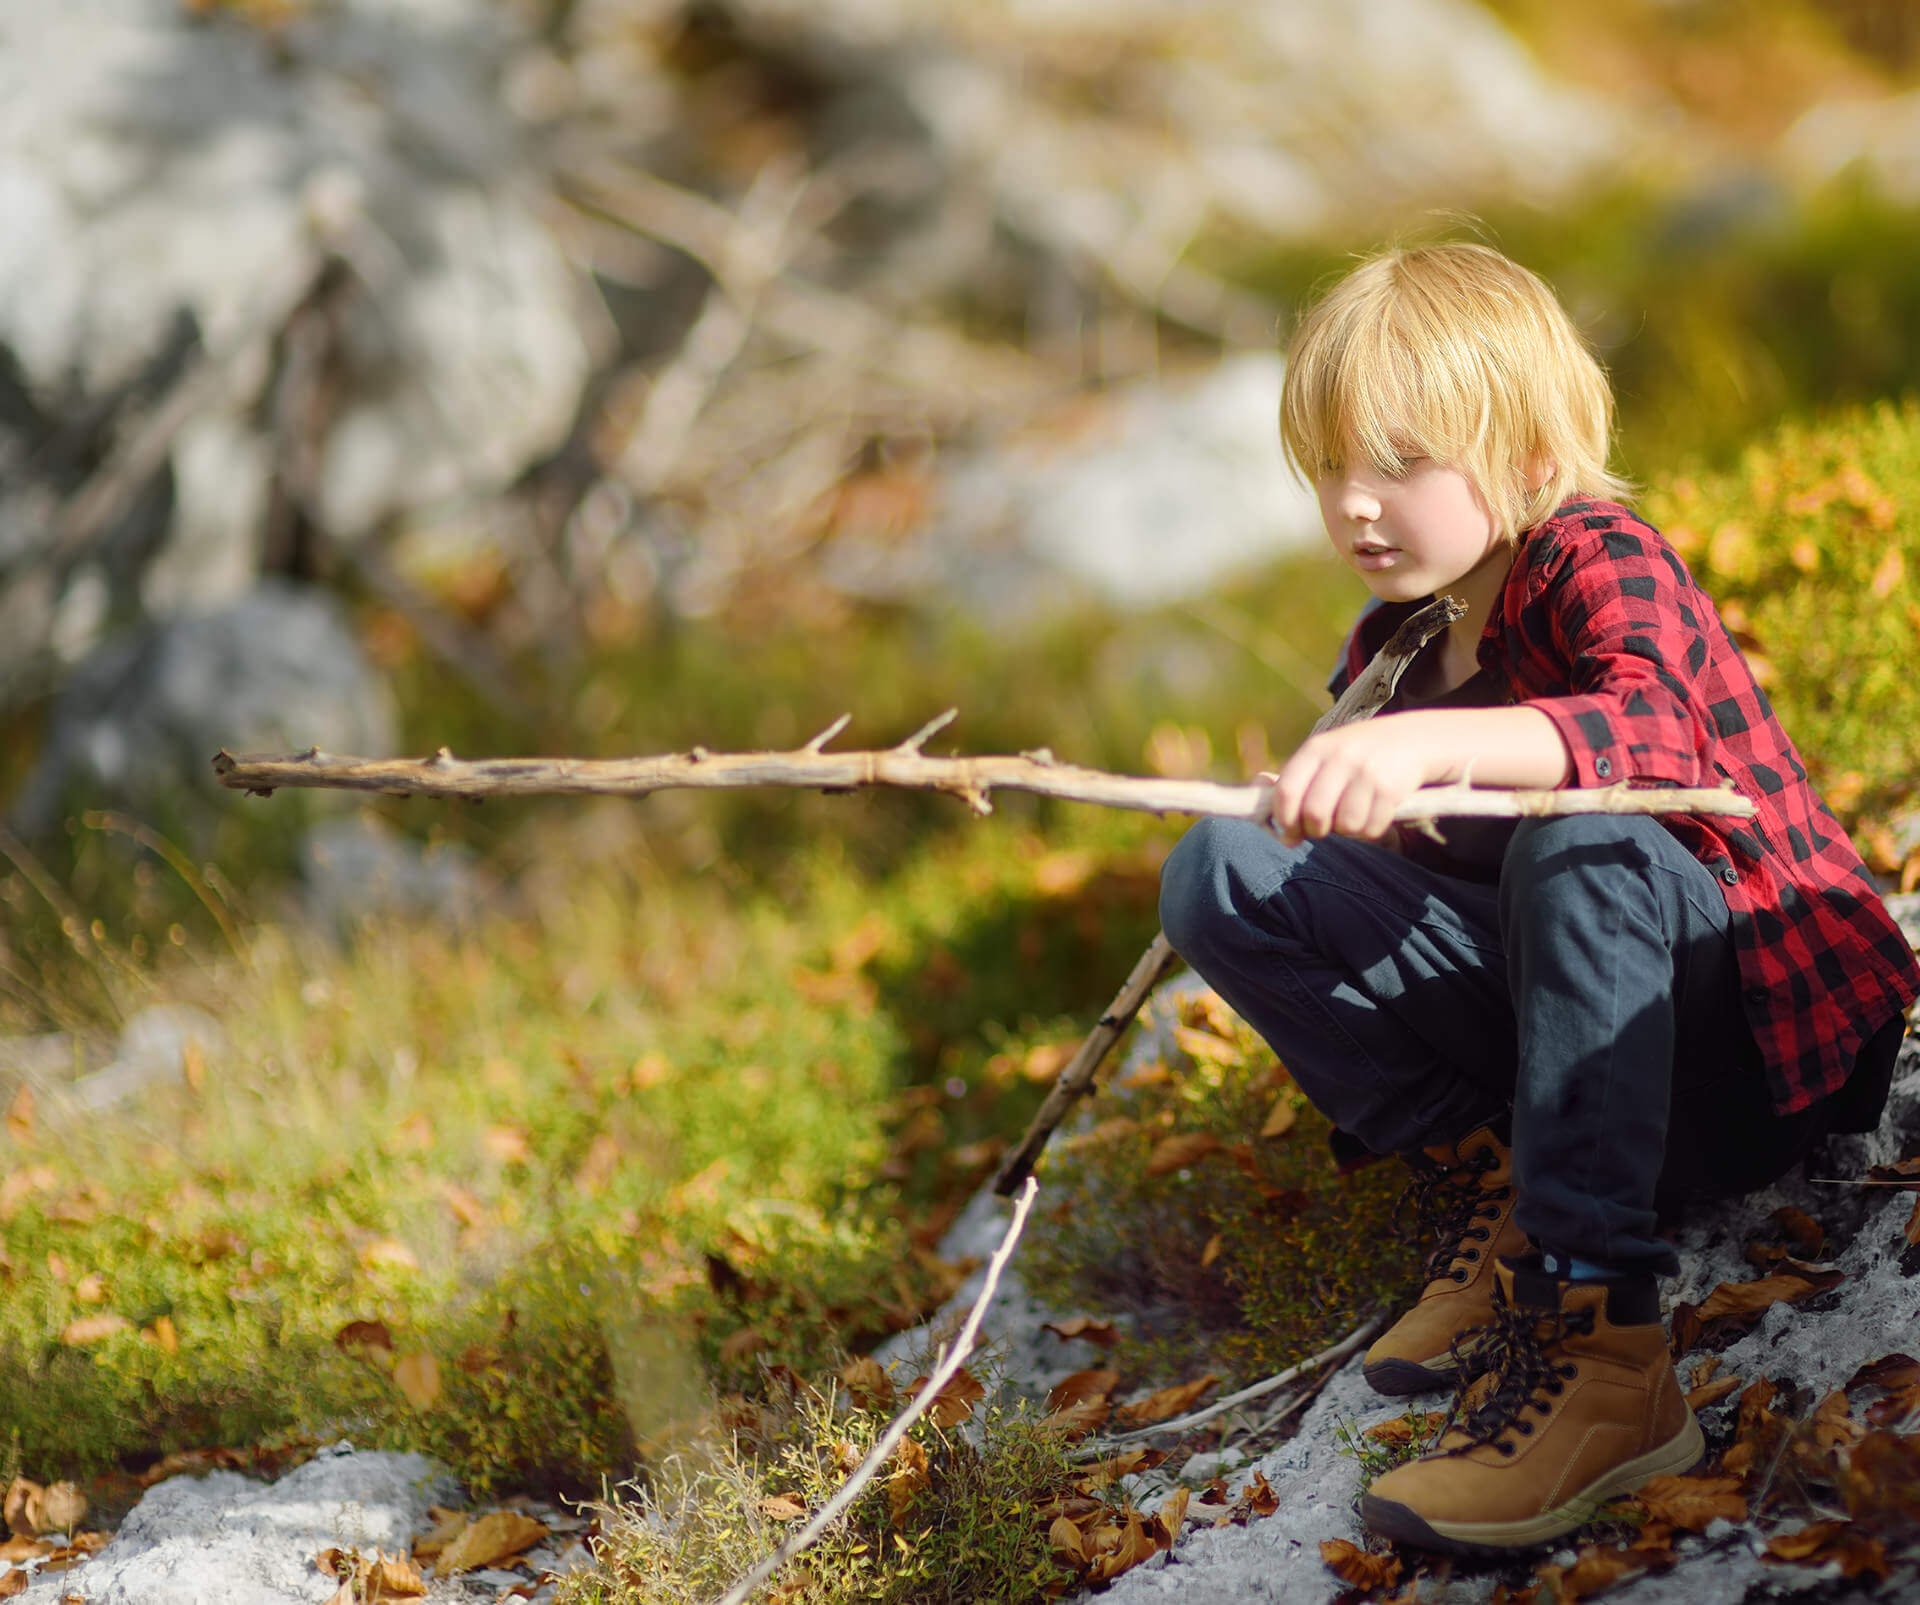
1349	781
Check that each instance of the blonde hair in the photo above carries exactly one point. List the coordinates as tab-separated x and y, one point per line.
1457	353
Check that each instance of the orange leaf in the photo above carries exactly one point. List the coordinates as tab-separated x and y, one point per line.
955	1402
1171	1516
1070	1390
1168	1402
781	1508
1692	1502
1712	1392
13	1581
1063	1538
493	1538
1211	1252
908	1477
1280	1117
1833	1423
868	1382
93	1329
417	1376
1594	1571
1808	1235
1133	1545
1913	1226
1101	1334
388	1253
1751	1298
1104	1473
509	1145
1260	1497
1181	1150
1077	1419
364	1335
1355	1567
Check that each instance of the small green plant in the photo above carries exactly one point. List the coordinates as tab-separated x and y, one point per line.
1386	1444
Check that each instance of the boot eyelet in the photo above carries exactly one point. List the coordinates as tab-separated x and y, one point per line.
1569	1371
1505	1446
1524	1427
1471	1254
1556	1387
1457	1275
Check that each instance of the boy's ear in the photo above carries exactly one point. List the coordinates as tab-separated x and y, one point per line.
1538	470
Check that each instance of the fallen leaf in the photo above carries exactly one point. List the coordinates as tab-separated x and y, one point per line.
1691	1502
909	1476
507	1145
1045	1062
364	1335
1712	1392
1808	1235
1355	1567
781	1508
1211	1252
20	1115
1842	1543
1703	1372
1280	1117
1070	1390
1912	1233
62	1507
1167	1402
449	1527
488	1541
1595	1569
385	1577
1181	1150
24	1511
388	1253
93	1329
1741	1299
1063	1538
91	1288
17	1549
1833	1424
1114	1129
743	1343
1077	1420
955	1402
1105	1473
417	1375
1132	1545
13	1581
1260	1497
1899	1375
867	1380
1172	1516
1101	1334
162	1334
1398	1431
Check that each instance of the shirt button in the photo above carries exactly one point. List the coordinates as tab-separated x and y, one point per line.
1730	875
1756	994
1603	767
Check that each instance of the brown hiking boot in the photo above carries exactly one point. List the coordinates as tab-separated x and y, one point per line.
1463	1194
1576	1403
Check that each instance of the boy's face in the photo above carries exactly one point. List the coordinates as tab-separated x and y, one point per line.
1409	534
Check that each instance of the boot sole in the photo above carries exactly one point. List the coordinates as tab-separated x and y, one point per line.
1397	1378
1396	1521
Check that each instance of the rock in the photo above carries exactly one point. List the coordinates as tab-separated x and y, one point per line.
356	869
154	1046
1152	494
138	722
224	1539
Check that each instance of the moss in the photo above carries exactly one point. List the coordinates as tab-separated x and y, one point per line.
1810	547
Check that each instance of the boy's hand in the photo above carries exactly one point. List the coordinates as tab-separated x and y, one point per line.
1350	780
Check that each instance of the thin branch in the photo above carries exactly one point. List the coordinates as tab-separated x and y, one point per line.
819	742
878	1455
971	779
1361	1335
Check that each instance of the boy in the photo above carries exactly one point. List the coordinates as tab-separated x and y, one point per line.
1563	1025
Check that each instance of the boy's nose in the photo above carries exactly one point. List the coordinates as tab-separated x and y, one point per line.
1358	503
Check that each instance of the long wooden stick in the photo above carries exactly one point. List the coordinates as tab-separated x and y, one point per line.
973	780
943	1373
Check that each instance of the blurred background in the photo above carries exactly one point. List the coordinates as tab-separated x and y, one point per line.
609	376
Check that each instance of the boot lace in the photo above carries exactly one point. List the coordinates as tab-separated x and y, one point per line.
1508	1367
1449	1206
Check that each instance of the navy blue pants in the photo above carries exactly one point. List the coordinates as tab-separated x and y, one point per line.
1593	992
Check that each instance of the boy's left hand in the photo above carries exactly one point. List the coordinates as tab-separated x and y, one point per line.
1350	780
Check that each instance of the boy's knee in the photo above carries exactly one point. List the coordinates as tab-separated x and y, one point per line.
1199	881
1542	848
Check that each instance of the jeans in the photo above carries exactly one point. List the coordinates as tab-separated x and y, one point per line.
1592	992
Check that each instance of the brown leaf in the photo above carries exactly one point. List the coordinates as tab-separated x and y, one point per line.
1166	1403
1684	1327
1856	1553
1070	1390
506	1145
1398	1431
369	1335
740	1344
25	1509
1046	1062
1077	1419
1116	1128
1803	1542
1808	1235
450	1526
93	1329
1171	1516
1712	1392
1063	1538
1260	1497
1912	1233
1280	1117
1211	1252
1691	1502
1753	1298
781	1508
1833	1424
1756	1428
1182	1149
1355	1567
162	1334
867	1380
1104	1473
955	1402
386	1577
1133	1545
417	1375
62	1506
488	1541
388	1254
908	1477
1102	1334
17	1549
1595	1569
13	1581
1205	1047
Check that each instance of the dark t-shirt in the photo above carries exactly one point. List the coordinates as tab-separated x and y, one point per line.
1475	848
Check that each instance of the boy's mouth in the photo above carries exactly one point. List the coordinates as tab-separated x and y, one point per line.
1373	554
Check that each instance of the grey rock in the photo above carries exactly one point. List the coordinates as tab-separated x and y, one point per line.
356	869
152	1049
139	721
224	1539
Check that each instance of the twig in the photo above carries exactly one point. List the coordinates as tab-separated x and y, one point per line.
1076	1080
1093	1448
904	765
877	1456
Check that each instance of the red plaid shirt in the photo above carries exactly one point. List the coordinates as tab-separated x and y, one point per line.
1602	628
